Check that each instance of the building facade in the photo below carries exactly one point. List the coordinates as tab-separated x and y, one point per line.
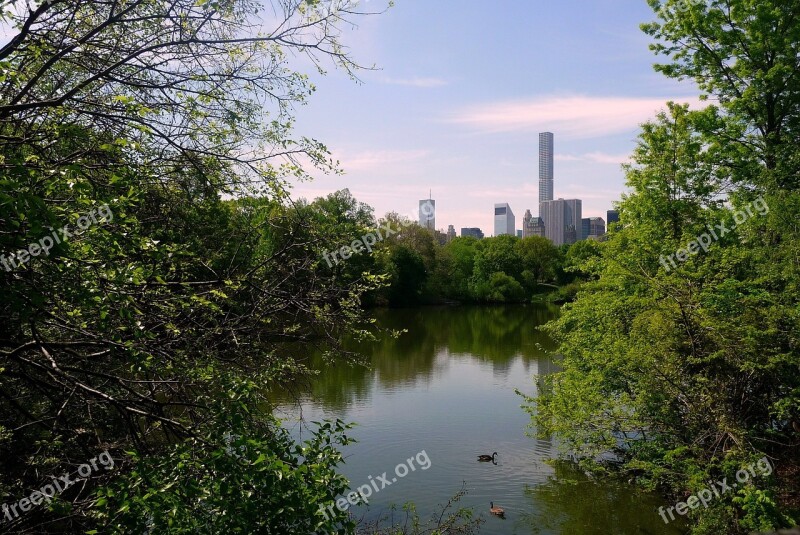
532	226
612	216
537	227
504	220
562	220
427	214
472	232
451	233
593	227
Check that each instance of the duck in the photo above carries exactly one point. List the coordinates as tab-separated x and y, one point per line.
487	458
496	511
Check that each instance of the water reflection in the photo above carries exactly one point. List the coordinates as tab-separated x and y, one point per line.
572	502
435	336
448	386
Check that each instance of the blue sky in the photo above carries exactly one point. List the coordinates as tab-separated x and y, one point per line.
462	91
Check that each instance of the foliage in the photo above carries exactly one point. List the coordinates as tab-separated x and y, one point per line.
146	333
688	372
239	478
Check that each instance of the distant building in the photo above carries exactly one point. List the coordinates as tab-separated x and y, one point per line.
562	220
571	234
537	226
545	167
504	221
427	214
592	227
532	226
612	216
451	233
473	232
519	233
526	223
597	227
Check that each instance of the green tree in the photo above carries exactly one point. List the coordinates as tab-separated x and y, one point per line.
409	276
688	368
455	267
498	255
540	261
155	329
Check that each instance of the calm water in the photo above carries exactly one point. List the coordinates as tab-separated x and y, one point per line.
447	387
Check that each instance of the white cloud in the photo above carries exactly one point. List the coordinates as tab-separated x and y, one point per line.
573	117
415	82
594	157
378	159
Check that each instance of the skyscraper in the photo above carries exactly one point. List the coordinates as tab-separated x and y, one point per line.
427	214
545	167
451	233
504	220
612	216
562	220
572	223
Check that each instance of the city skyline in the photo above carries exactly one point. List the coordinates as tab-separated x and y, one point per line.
465	119
559	220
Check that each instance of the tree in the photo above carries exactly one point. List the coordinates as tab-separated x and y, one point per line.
498	254
686	368
540	260
156	327
743	54
408	276
455	268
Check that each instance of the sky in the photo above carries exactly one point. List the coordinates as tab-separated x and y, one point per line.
463	88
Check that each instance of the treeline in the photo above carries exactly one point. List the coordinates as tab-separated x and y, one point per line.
682	355
416	269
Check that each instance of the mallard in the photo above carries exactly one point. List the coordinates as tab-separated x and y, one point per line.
497	511
487	458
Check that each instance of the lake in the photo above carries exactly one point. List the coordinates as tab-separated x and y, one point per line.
447	387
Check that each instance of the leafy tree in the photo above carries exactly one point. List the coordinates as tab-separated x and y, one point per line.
500	288
540	260
409	276
455	267
688	368
153	330
497	255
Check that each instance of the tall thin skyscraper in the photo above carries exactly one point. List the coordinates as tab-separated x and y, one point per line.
545	167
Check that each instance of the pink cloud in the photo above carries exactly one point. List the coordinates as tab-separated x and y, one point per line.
575	117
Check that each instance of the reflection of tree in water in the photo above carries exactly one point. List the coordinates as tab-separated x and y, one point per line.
571	502
495	334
